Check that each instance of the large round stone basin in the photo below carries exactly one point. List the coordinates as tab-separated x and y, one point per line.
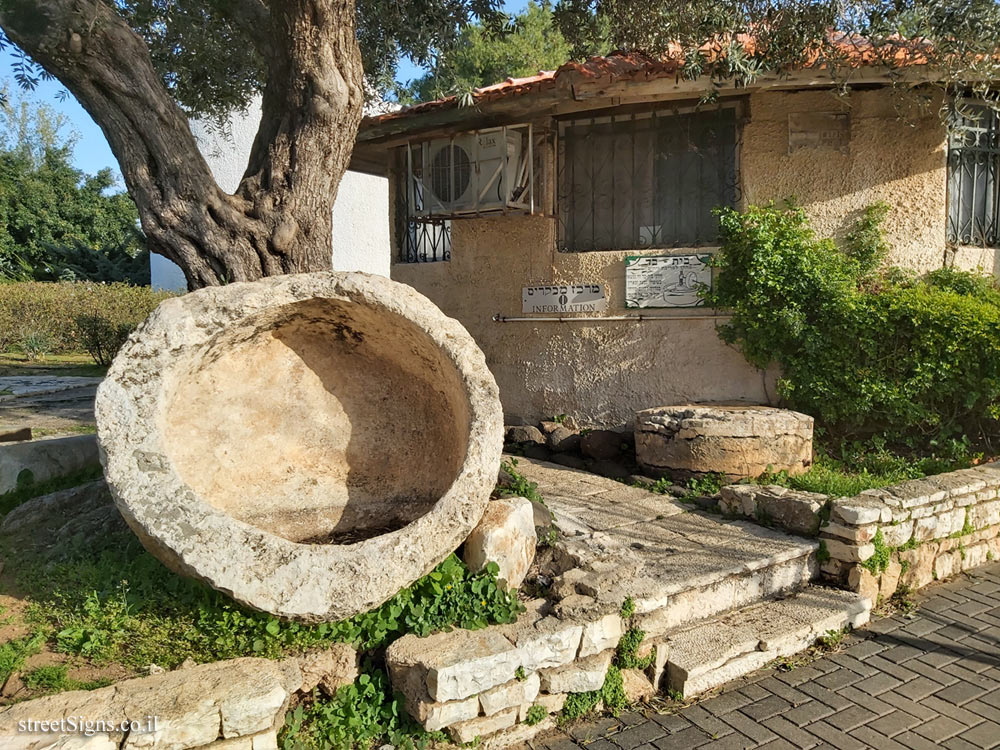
309	444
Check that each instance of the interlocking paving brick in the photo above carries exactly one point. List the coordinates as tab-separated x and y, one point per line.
683	740
766	708
726	702
895	723
640	734
984	735
919	682
807	713
940	729
872	738
851	718
787	730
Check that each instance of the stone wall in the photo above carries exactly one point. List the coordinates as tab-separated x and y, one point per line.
230	705
909	534
914	533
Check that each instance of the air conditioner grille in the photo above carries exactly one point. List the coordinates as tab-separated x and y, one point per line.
441	173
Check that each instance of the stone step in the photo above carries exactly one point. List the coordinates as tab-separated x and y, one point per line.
713	652
677	565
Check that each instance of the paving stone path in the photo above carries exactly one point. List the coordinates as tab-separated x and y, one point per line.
929	679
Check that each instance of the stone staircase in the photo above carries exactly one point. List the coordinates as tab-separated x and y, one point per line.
721	597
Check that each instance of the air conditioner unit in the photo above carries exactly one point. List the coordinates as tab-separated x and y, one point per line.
473	172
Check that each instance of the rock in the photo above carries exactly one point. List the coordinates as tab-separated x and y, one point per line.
188	663
435	716
328	668
38	460
736	441
601	444
570	460
541	516
563	440
637	686
536	452
467	731
638	480
919	563
14	436
342	381
581	676
864	582
506	536
514	693
525	434
548	427
601	634
155	669
240	698
796	511
889	581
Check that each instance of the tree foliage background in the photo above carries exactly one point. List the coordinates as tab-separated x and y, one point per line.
56	222
531	43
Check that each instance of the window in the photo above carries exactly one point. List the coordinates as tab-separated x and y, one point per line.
646	180
973	166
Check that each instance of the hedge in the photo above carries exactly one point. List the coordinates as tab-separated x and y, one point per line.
40	318
867	350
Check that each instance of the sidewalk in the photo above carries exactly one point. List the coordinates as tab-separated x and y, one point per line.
929	679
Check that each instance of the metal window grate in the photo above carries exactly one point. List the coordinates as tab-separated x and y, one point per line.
646	180
421	239
973	166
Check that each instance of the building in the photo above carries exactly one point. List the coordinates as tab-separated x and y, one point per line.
566	219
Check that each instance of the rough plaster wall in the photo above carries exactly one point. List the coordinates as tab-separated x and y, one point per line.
596	371
898	161
602	372
360	215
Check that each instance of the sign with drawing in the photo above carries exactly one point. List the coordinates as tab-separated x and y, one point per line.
666	280
563	298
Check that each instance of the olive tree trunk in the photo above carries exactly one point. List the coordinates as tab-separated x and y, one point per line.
279	218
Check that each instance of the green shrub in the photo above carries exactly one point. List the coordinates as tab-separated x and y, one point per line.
913	360
40	318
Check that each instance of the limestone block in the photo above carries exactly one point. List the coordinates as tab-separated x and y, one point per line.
738	500
581	676
601	635
974	556
856	534
328	668
889	580
468	731
950	522
551	702
506	536
658	669
542	640
514	693
39	460
270	439
518	735
985	514
524	434
840	550
896	535
916	492
194	707
737	441
920	562
637	686
926	528
864	582
798	512
857	511
947	564
435	716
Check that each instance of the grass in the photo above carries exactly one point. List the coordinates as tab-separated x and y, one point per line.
64	365
861	467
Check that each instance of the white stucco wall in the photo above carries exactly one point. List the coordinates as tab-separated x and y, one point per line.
360	215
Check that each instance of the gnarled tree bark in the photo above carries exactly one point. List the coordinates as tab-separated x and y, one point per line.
279	218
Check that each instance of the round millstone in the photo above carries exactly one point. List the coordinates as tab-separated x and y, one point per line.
738	441
307	444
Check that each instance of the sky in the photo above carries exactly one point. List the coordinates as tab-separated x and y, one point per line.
92	152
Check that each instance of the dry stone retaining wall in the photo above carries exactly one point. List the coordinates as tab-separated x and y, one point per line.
908	534
230	705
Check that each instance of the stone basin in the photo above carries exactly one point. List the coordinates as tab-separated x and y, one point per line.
308	444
